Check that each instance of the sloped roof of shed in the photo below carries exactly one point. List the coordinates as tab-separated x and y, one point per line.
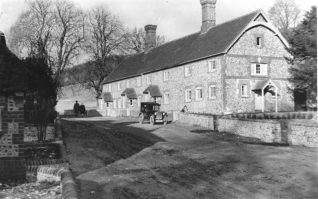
190	48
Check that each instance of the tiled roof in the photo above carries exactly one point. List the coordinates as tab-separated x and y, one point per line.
130	93
190	48
108	97
12	72
153	90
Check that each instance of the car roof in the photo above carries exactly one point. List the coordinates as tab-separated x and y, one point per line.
150	103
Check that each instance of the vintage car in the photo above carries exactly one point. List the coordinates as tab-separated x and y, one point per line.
151	111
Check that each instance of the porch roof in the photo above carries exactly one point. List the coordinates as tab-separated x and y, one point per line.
108	97
130	93
263	85
153	90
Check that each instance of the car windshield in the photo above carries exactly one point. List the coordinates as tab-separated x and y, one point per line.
149	108
156	108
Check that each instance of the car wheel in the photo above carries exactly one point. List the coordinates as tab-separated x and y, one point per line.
141	118
165	121
152	120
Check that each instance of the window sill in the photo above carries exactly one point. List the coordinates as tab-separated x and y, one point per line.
259	75
212	71
198	100
244	96
212	98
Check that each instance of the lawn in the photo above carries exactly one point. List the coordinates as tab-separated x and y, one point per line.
123	159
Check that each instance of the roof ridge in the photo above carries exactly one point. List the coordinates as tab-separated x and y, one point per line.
236	18
183	37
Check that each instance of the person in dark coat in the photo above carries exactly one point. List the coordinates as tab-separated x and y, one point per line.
76	108
82	110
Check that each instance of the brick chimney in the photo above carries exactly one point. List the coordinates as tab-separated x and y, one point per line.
208	14
150	40
2	38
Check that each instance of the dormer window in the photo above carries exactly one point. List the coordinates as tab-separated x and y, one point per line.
187	71
148	79
165	76
212	66
139	81
109	88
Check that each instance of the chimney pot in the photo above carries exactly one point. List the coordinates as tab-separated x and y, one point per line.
2	38
208	14
150	40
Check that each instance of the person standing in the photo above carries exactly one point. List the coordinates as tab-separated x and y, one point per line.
76	108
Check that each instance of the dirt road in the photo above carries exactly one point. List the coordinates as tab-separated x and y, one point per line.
174	161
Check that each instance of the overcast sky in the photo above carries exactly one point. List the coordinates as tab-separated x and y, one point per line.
175	18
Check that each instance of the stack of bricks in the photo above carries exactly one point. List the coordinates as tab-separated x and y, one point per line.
11	136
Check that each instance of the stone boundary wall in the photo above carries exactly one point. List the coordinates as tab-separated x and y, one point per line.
266	130
12	168
196	119
303	134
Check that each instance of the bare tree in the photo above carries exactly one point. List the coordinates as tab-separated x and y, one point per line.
50	30
285	15
136	40
31	35
68	34
105	40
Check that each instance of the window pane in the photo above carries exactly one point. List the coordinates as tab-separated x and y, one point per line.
244	91
258	69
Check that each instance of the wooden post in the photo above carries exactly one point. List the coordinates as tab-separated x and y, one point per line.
263	96
276	100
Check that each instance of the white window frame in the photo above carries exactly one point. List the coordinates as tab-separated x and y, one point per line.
166	75
109	88
115	103
187	71
139	100
166	97
118	86
127	83
212	66
212	92
124	102
138	81
119	103
263	69
199	94
188	95
148	79
244	94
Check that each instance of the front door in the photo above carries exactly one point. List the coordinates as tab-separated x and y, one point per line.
258	102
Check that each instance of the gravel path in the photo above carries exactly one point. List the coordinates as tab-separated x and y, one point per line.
44	190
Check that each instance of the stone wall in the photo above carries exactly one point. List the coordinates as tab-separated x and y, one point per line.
12	126
265	130
195	119
304	134
238	71
30	133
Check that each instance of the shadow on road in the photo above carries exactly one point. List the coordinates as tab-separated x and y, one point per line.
94	144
